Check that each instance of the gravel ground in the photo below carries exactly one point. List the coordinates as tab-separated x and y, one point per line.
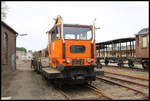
26	84
130	85
117	91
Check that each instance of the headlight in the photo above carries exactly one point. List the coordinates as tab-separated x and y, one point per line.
88	60
68	60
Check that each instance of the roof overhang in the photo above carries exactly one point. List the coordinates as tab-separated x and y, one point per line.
121	40
9	27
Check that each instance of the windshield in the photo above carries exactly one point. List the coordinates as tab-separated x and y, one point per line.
77	33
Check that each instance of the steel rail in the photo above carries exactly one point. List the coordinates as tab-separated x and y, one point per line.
126	75
69	98
89	98
100	93
139	84
145	94
64	94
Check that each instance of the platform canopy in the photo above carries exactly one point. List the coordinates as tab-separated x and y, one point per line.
115	41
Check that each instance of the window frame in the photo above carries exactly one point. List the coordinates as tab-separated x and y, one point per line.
5	48
144	46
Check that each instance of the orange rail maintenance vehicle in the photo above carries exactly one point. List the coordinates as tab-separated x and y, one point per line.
72	53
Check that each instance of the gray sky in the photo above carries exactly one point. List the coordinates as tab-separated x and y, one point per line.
116	19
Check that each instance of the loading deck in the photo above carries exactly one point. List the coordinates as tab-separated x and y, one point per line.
51	73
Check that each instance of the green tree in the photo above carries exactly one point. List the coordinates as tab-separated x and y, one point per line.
29	50
21	49
4	10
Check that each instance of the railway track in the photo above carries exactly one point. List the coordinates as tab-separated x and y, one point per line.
118	91
123	80
99	93
125	83
133	80
134	77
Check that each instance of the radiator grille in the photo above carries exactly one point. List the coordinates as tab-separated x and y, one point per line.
77	62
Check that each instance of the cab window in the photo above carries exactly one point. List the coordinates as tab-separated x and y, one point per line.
57	31
55	34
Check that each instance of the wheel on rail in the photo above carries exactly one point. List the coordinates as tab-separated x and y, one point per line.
34	69
57	83
120	63
44	76
106	62
38	68
87	83
145	65
130	64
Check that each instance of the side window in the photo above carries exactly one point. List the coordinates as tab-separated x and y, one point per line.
144	41
89	35
57	31
53	36
5	48
49	37
137	40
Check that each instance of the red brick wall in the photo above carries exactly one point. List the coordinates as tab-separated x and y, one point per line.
8	68
140	51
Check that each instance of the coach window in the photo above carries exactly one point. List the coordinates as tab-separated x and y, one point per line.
5	48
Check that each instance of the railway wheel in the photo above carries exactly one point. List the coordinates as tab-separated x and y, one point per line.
120	63
34	68
45	77
130	64
89	83
58	83
145	65
106	62
38	68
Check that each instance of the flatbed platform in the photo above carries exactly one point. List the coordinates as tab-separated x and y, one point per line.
51	70
51	73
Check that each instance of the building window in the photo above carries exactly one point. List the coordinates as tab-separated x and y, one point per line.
5	48
144	40
137	40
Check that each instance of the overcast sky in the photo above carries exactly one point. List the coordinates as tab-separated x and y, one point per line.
115	19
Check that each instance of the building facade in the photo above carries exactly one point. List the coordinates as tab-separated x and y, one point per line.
142	43
8	49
